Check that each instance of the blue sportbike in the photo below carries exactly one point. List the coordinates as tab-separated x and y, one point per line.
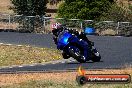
77	48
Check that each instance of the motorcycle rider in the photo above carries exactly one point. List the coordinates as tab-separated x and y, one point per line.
57	28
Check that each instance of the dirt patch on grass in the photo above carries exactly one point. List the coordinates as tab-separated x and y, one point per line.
58	77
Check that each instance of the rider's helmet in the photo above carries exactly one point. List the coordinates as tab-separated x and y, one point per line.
56	26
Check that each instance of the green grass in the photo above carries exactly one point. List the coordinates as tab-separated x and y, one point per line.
18	55
51	84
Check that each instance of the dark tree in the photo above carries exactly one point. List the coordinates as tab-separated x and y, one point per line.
83	9
29	7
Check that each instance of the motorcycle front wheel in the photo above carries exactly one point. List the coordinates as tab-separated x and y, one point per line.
77	54
65	56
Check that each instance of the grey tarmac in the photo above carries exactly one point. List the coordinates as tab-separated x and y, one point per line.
116	52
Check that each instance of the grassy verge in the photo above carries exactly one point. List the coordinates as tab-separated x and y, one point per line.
51	84
57	80
18	55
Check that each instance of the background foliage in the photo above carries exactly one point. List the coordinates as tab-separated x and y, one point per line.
117	14
29	7
83	9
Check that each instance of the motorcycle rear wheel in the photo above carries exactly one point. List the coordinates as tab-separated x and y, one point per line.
95	58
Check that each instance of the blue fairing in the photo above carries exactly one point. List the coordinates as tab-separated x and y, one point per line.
63	39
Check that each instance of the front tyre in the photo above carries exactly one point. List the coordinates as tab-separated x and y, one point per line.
65	56
81	59
77	54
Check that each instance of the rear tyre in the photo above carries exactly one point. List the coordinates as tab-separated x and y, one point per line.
96	58
95	55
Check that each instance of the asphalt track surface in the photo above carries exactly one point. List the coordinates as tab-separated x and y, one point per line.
116	52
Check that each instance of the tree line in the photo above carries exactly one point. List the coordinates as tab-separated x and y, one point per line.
79	9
